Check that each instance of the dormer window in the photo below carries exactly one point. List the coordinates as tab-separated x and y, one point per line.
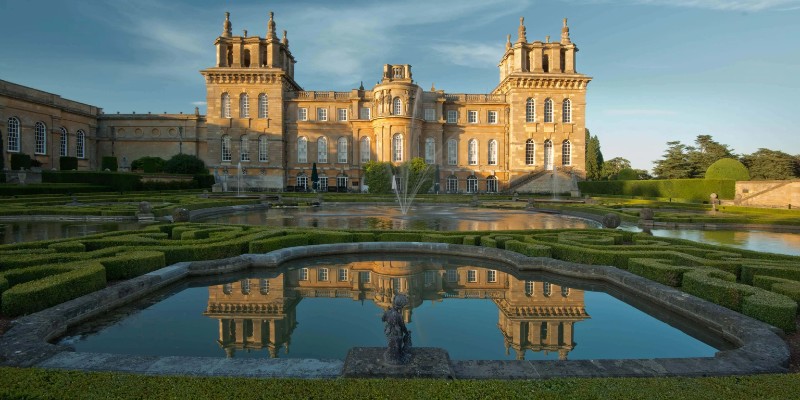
397	72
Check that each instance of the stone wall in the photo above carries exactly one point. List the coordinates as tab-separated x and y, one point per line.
776	194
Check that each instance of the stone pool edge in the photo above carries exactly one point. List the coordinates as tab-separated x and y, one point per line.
760	349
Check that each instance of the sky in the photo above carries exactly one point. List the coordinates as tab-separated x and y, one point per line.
662	70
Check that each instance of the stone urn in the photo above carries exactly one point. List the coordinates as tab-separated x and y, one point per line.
145	208
611	221
180	215
646	214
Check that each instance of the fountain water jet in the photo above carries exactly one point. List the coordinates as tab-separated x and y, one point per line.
409	177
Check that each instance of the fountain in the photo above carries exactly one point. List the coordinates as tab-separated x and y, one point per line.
398	351
407	180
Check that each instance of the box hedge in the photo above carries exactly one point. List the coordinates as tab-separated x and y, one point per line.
328	237
658	270
400	237
697	190
528	249
788	288
440	238
36	295
66	163
276	243
108	163
132	264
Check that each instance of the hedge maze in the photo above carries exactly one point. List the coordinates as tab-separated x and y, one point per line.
37	275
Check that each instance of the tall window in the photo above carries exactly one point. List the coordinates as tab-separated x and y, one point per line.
263	286
322	114
245	284
226	148
302	182
491	276
398	106
547	289
472	152
492	152
430	114
341	150
452	275
322	183
302	149
13	134
548	110
472	275
342	274
341	182
492	117
365	113
225	107
323	274
341	114
80	144
566	153
452	184
530	152
365	150
472	117
397	147
244	149
263	149
452	152
530	110
491	184
244	106
452	116
263	106
40	135
322	150
472	184
529	285
566	111
302	274
548	155
430	151
302	114
64	143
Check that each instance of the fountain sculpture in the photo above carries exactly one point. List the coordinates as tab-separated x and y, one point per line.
398	336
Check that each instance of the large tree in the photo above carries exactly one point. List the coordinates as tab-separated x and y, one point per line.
675	164
766	164
613	166
706	152
594	157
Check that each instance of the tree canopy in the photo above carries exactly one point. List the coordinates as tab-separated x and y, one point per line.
766	164
594	158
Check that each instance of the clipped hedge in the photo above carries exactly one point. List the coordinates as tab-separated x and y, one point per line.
786	287
328	237
132	264
658	270
117	181
528	249
68	247
29	297
68	163
109	163
400	237
20	161
728	169
276	243
688	189
439	238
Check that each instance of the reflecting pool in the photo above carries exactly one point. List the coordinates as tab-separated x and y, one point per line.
770	242
428	217
29	231
320	308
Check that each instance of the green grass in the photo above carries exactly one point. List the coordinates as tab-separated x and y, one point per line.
33	383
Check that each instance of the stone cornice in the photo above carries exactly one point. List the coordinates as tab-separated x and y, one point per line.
543	81
247	75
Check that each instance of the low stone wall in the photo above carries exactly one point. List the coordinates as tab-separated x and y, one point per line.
776	194
760	349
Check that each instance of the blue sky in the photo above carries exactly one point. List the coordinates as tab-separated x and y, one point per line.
663	69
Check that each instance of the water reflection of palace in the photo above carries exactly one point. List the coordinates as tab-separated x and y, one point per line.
260	313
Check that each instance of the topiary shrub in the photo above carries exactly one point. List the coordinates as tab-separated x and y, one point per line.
20	161
185	164
149	165
627	174
68	163
108	163
728	169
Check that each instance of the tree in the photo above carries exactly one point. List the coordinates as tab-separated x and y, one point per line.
419	175
378	176
612	167
766	164
594	157
675	164
706	152
185	164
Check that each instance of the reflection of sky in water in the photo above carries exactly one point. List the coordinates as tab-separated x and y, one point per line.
435	217
17	232
770	242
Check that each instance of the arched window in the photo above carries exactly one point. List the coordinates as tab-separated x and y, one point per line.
430	151
472	152
244	148
548	155
564	291
452	152
452	184
566	111
246	57
64	143
365	150
529	286
492	152
530	110
546	63
397	147
302	149
530	152
491	184
40	136
13	134
225	106
322	150
226	148
341	150
472	184
244	106
80	144
263	106
548	110
398	106
547	289
566	153
263	149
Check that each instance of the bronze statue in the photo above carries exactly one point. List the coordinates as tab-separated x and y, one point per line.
398	336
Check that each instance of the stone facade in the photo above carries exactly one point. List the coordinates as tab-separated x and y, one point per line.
260	119
774	194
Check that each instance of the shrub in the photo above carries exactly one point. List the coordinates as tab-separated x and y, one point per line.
20	161
203	181
728	169
149	165
786	287
363	237
115	181
132	264
658	270
687	189
109	163
472	240
439	238
528	249
627	174
327	237
37	295
68	163
400	237
68	247
276	243
185	164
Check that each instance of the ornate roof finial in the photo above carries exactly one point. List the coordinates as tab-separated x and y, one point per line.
226	26
521	31
565	33
547	39
433	87
508	41
362	86
271	26
244	33
285	41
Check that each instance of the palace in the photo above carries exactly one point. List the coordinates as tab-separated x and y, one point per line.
260	122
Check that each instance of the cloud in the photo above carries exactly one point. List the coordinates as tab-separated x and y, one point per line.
639	112
199	103
470	54
723	5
